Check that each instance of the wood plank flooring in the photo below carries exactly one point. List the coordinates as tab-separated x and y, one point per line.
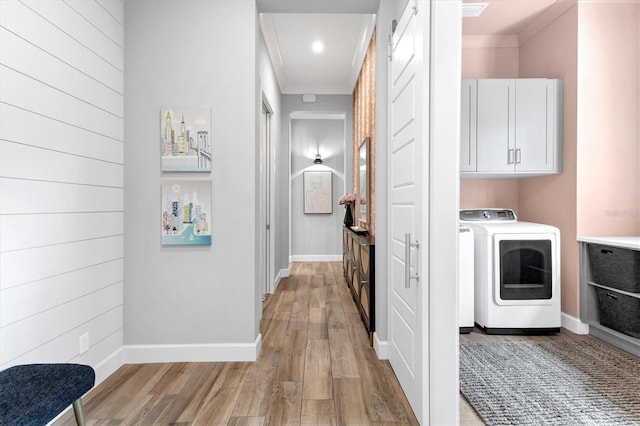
316	367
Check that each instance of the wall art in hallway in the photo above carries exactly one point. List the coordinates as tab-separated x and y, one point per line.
318	195
185	139
186	212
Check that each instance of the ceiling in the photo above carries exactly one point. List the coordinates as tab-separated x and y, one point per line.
289	37
345	27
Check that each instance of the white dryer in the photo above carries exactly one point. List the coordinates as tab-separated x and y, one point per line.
516	273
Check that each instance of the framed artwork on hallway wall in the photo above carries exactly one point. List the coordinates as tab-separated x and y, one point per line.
186	213
185	139
318	192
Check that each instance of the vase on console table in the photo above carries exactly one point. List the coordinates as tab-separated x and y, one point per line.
348	217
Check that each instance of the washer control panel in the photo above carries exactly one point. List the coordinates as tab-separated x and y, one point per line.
487	215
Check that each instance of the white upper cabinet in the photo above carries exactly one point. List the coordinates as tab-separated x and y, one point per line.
518	128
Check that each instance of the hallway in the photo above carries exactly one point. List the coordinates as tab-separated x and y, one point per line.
316	368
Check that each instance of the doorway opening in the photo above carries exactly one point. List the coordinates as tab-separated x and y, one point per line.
315	235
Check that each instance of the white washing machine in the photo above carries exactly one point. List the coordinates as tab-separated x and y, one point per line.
465	280
516	273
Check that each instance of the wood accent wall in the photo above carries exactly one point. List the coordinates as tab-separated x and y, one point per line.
364	123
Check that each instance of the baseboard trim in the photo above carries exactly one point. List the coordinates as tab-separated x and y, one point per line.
216	352
317	258
109	365
573	324
381	347
283	273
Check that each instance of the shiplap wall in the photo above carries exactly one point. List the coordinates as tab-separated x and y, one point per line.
61	180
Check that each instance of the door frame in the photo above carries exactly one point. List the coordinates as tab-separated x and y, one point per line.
440	399
444	204
315	115
267	197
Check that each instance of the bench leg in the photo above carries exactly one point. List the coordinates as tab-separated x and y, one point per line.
77	410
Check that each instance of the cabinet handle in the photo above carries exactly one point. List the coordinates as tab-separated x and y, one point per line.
612	296
407	261
606	251
518	156
510	156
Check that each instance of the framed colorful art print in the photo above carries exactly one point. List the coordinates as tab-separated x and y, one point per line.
185	139
186	213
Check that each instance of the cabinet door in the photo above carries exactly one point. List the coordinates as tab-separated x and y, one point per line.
363	296
534	135
496	125
468	126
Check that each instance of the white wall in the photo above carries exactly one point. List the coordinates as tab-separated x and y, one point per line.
608	149
61	181
317	236
201	53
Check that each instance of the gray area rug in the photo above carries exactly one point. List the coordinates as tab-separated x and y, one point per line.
550	383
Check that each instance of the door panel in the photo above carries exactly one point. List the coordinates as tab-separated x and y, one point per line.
403	164
404	106
404	45
403	340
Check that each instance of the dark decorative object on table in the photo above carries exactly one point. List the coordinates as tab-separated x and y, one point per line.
348	216
347	200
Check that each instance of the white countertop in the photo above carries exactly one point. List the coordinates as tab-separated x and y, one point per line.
632	243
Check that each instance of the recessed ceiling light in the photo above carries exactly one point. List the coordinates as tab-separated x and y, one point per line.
473	10
317	46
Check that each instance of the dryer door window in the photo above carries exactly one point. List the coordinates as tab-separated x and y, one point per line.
526	270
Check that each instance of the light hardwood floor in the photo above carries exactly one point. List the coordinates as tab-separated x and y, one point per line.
316	367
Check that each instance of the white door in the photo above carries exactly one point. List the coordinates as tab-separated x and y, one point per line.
424	156
408	174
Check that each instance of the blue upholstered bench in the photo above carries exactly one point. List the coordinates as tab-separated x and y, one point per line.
35	394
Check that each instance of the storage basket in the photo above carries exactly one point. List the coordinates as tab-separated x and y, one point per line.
619	311
615	267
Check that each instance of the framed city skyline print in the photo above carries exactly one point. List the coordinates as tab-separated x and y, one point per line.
185	139
186	213
318	192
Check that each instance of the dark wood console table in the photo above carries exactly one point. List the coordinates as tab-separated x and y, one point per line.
358	261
